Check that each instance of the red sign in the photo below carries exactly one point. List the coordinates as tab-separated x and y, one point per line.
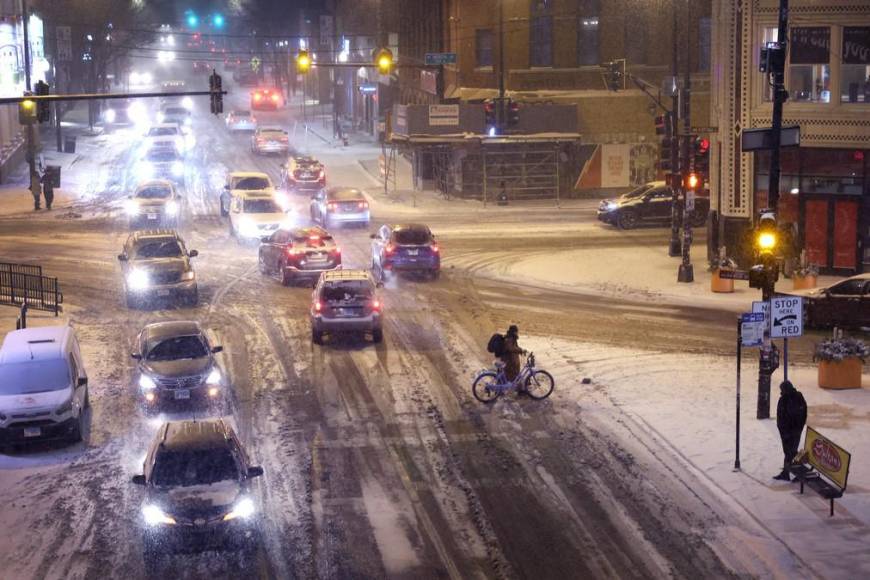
826	455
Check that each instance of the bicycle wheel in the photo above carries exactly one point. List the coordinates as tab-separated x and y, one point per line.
485	388
540	384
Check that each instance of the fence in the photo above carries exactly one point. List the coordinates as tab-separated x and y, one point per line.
25	284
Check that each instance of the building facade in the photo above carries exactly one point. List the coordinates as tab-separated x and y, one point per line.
825	183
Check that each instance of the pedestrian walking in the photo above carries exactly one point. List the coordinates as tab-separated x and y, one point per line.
35	190
48	187
791	416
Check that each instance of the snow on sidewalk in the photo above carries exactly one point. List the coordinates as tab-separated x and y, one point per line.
685	404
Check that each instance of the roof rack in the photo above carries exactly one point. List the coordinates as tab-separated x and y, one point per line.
346	274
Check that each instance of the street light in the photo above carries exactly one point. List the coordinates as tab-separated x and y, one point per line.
384	61
303	61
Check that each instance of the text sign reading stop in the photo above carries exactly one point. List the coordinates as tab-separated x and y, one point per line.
786	316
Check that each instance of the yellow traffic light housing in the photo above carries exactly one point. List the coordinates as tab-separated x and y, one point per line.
766	242
384	61
303	62
766	234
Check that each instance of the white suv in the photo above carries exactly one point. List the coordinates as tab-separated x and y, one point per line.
43	385
255	216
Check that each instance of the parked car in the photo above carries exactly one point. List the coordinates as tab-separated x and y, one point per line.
270	140
266	98
405	248
844	304
299	253
176	366
240	181
340	205
346	301
156	264
241	121
199	491
303	173
155	203
648	204
43	386
255	216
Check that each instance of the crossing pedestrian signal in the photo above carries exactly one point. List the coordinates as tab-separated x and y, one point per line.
665	131
384	61
693	181
303	62
490	115
217	97
513	113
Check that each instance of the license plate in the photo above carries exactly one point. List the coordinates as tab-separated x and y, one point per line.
163	292
413	252
152	216
182	394
32	431
317	257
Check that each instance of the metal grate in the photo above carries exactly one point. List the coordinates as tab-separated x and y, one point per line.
25	284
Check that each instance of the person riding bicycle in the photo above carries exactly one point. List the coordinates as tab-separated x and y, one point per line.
510	355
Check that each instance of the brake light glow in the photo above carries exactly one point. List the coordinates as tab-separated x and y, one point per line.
376	305
337	251
313	238
257	96
275	98
318	306
434	248
291	251
321	175
331	206
362	204
390	248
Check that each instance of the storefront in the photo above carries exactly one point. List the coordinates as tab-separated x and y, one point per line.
826	195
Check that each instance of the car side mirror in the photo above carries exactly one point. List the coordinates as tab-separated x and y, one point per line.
139	479
255	471
217	349
374	236
122	258
82	382
136	355
192	253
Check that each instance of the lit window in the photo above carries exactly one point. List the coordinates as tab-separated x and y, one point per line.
855	69
809	72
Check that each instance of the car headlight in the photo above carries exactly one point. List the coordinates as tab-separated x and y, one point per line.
187	103
188	121
146	383
609	206
160	117
131	207
188	276
214	377
154	516
177	168
145	170
171	208
64	408
247	227
189	141
244	509
110	115
138	280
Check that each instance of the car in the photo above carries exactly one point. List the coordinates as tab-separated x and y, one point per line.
266	99
844	304
303	173
43	386
340	205
240	181
156	264
255	216
346	301
299	253
176	366
199	491
405	248
270	140
241	121
161	161
164	131
178	114
155	203
124	112
651	204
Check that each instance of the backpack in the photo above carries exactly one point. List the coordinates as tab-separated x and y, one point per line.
496	344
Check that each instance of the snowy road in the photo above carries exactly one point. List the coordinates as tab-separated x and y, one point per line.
378	461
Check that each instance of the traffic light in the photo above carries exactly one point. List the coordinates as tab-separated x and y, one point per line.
766	234
384	61
614	74
43	109
701	155
513	113
215	86
766	242
191	18
693	181
664	129
217	20
27	112
303	62
490	115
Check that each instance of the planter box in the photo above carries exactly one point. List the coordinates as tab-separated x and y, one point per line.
804	282
718	284
844	374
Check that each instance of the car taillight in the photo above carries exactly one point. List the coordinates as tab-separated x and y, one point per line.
275	98
331	206
390	248
257	96
362	204
336	251
321	175
291	251
376	305
434	248
283	139
318	306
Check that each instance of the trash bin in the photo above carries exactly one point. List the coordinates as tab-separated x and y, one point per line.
52	173
69	145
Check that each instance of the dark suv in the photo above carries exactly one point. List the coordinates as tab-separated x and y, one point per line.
303	174
648	204
407	248
198	490
156	264
177	366
300	253
346	301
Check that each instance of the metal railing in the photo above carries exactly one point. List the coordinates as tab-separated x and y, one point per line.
24	284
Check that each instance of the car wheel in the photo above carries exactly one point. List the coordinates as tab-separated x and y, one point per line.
316	336
75	435
627	220
435	274
87	402
377	335
261	264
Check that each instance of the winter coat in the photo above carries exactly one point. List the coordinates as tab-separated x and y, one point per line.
791	412
511	357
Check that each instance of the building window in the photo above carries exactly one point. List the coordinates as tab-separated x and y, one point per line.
541	33
855	68
704	44
809	71
588	12
768	35
483	46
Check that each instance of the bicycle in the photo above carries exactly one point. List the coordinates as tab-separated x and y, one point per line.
489	384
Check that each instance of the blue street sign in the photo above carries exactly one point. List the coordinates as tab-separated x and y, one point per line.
436	58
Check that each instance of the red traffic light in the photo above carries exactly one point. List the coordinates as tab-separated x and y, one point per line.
703	145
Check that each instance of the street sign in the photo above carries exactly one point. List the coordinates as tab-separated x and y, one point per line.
761	306
436	58
751	328
442	115
734	274
786	316
761	139
696	130
64	43
690	200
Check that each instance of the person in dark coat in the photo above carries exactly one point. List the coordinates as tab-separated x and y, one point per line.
791	416
48	188
512	351
35	189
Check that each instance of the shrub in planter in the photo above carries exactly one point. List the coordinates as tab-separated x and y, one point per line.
805	276
841	361
718	284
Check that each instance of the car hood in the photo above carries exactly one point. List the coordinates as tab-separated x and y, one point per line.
806	293
269	190
162	264
34	401
206	499
152	203
177	368
265	218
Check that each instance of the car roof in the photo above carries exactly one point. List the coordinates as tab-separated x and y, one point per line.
142	235
162	330
35	344
309	231
410	227
344	193
339	275
248	174
271	130
195	435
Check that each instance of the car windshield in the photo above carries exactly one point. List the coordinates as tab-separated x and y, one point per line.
347	292
637	192
177	348
242	114
252	183
176	111
33	377
261	206
413	237
195	467
162	131
162	154
165	248
156	192
272	134
313	240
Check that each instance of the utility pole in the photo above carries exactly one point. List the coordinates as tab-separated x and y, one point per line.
686	271
31	131
499	111
674	248
779	97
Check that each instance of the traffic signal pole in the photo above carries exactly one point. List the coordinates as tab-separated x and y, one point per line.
30	130
686	272
674	247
